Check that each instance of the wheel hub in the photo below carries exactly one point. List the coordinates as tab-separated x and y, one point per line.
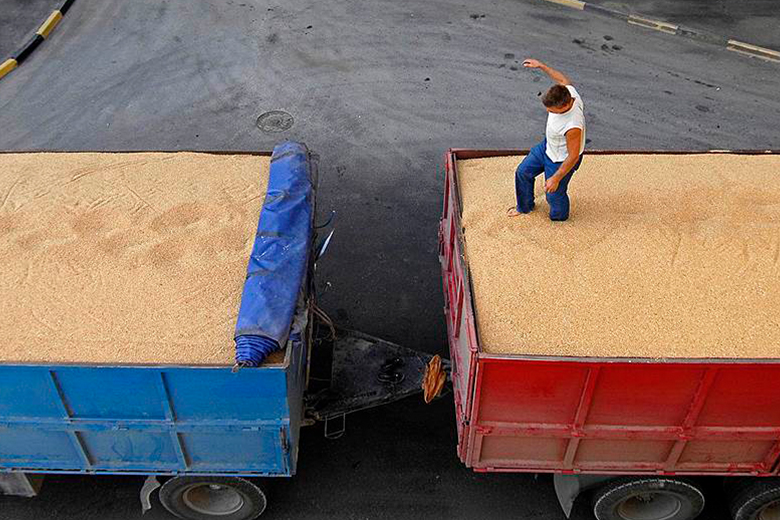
770	511
650	506
212	499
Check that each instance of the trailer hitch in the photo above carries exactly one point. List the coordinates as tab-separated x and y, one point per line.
367	372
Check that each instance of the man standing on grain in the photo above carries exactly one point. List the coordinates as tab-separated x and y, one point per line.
560	154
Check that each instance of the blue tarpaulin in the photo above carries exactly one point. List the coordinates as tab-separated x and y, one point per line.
280	257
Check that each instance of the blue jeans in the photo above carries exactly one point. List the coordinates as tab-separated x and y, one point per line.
535	163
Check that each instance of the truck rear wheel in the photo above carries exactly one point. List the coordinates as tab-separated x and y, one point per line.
650	498
756	499
209	498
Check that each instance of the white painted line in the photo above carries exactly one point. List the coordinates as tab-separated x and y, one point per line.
657	25
576	4
753	50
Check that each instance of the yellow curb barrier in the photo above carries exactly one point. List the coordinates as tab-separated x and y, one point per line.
7	66
50	23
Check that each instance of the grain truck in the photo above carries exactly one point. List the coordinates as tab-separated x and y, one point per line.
633	431
128	277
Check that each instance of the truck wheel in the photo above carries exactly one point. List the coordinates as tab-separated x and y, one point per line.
651	498
207	498
755	499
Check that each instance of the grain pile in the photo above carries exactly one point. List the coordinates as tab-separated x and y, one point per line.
664	256
125	258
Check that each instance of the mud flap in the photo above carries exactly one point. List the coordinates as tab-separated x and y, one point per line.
150	485
20	484
569	487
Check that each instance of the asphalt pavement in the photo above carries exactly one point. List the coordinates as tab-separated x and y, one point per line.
380	89
19	19
751	21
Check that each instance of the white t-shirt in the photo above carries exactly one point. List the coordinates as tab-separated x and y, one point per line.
559	124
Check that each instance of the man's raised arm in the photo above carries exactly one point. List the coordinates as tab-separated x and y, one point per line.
555	75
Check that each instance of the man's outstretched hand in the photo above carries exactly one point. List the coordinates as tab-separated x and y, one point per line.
551	185
555	75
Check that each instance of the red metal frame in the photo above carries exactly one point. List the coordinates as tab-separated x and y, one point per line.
599	415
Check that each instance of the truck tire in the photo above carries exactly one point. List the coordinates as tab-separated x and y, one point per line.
209	498
755	499
648	498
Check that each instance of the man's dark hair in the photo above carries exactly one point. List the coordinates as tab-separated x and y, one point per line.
558	96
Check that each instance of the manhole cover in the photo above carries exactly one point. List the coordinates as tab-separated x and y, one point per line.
275	121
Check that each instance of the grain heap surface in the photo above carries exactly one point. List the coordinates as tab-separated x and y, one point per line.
664	256
134	258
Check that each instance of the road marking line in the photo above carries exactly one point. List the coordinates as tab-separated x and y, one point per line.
7	66
653	24
50	23
753	50
576	4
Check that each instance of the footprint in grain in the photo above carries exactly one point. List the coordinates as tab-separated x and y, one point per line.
8	222
165	252
31	241
87	222
229	239
117	243
179	216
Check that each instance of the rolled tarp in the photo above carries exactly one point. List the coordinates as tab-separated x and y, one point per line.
278	265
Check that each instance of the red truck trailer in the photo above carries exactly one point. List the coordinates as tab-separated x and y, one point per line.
634	434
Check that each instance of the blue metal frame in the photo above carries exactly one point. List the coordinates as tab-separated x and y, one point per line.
153	419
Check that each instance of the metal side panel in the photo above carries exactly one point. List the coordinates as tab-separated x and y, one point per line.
627	417
296	388
459	311
146	419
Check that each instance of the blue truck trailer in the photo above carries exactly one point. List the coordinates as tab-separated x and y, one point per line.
207	436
